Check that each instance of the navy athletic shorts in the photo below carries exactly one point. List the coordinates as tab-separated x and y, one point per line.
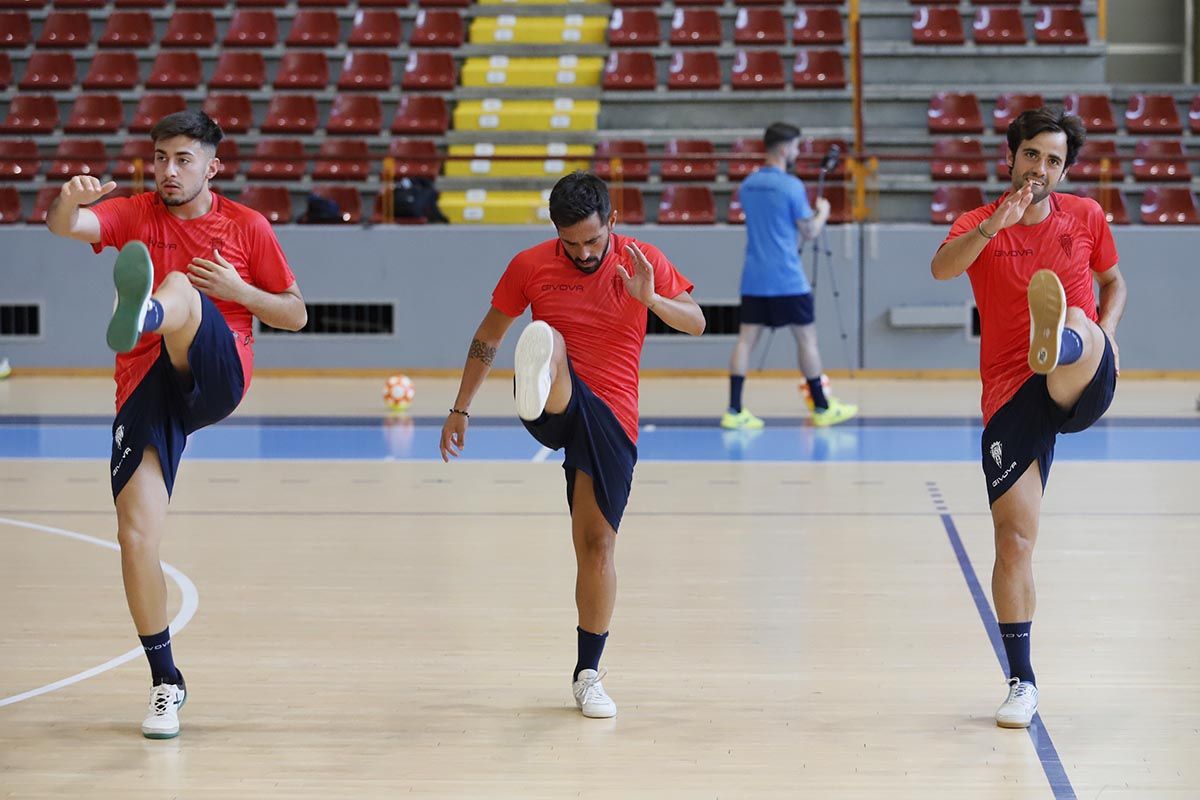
594	442
776	312
164	408
1025	428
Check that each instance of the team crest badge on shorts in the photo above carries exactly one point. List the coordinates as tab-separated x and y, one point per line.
997	454
119	435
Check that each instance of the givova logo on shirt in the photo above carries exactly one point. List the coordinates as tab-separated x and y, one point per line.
562	287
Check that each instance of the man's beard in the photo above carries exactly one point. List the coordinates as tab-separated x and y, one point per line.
184	202
588	270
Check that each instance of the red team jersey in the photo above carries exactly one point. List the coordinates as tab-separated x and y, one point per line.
244	239
1074	241
603	326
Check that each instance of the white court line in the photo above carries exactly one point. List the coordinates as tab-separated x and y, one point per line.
187	609
541	455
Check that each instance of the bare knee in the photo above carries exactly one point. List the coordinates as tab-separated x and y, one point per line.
596	549
1014	548
1089	332
137	539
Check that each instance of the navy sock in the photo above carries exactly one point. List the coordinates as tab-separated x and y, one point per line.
817	392
1071	347
158	653
1015	636
154	316
591	646
735	392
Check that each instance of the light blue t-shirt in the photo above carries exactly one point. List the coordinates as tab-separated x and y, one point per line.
773	202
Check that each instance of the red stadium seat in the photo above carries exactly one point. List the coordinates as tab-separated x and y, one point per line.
48	72
437	29
231	111
1000	25
356	114
937	25
96	113
348	199
252	29
812	152
112	71
818	26
291	113
754	149
628	3
415	158
630	70
1160	161
18	159
6	73
421	114
66	29
191	29
237	69
41	204
609	162
954	112
949	202
128	30
688	169
314	29
818	69
1170	205
1194	115
342	160
200	4
1090	163
1094	109
31	114
695	27
366	71
1010	105
26	5
263	3
1059	26
337	4
757	69
434	72
78	157
1111	201
382	3
958	160
133	150
687	205
279	160
230	156
140	4
273	202
10	205
153	107
627	201
15	29
736	214
175	69
759	26
633	28
377	28
302	70
693	69
1152	113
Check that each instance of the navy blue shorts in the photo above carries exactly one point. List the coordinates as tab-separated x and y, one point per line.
776	312
1025	428
166	406
594	442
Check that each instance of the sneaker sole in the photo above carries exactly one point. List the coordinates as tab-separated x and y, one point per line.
182	703
1013	724
535	348
133	276
594	715
1047	316
836	420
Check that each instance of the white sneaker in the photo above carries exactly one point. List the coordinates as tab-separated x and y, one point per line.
162	718
1018	710
590	696
1047	316
535	348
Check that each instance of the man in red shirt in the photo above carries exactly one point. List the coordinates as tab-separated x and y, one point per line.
576	382
1048	360
193	270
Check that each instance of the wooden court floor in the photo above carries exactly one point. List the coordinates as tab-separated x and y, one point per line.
386	629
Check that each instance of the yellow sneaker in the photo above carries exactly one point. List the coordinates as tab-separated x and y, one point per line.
836	413
742	420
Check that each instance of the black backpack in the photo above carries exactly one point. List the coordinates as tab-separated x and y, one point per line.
321	211
417	197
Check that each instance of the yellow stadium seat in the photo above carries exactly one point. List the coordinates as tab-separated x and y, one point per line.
483	207
510	29
545	160
561	114
532	72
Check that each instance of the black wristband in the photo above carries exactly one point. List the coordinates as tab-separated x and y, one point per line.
460	411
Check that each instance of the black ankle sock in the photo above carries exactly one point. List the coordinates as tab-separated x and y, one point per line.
591	647
1015	636
158	653
817	392
735	392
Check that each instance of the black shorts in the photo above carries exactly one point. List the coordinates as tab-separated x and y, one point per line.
1024	429
776	312
164	409
594	442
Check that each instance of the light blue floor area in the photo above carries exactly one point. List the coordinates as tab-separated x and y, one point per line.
365	439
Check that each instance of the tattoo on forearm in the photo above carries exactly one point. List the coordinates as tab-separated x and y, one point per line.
482	351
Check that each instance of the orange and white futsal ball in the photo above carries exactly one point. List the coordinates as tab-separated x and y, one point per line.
398	393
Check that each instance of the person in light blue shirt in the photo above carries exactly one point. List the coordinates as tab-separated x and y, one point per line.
775	291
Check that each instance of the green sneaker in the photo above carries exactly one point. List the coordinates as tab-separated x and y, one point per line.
743	420
836	413
133	276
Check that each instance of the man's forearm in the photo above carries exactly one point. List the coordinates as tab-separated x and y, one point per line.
955	257
284	310
682	315
60	218
480	356
1112	304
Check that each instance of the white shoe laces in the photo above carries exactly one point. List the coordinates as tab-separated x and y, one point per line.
592	691
161	700
1019	692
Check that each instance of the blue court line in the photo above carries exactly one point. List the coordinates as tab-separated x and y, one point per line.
1052	765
